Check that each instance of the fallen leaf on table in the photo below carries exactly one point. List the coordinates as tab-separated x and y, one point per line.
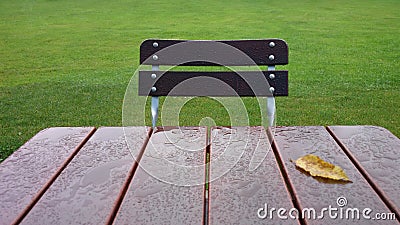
319	168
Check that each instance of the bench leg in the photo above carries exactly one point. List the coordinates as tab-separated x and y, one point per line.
154	102
154	111
271	104
271	110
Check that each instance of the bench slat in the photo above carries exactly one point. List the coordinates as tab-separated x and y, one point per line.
237	195
295	142
175	52
26	174
86	191
156	194
375	151
188	83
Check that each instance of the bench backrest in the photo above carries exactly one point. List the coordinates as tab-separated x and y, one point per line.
268	83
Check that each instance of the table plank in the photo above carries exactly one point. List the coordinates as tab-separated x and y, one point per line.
168	186
28	172
86	191
375	151
245	185
294	142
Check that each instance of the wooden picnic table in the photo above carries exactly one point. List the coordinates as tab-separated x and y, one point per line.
84	175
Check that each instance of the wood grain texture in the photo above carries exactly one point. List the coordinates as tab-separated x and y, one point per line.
85	192
376	151
168	186
295	142
26	173
244	178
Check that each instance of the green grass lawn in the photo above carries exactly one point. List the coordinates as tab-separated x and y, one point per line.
68	63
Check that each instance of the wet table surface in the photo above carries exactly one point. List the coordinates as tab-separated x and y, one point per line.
200	175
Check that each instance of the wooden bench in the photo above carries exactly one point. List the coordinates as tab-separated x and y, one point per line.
250	53
89	176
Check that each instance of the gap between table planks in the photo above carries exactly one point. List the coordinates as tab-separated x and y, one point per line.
116	206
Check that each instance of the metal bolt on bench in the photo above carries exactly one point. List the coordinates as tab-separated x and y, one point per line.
270	83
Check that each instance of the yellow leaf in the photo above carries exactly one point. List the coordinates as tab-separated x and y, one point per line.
319	168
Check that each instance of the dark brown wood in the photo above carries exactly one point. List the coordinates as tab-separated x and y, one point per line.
211	53
86	191
294	142
162	193
245	177
375	151
188	83
29	171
